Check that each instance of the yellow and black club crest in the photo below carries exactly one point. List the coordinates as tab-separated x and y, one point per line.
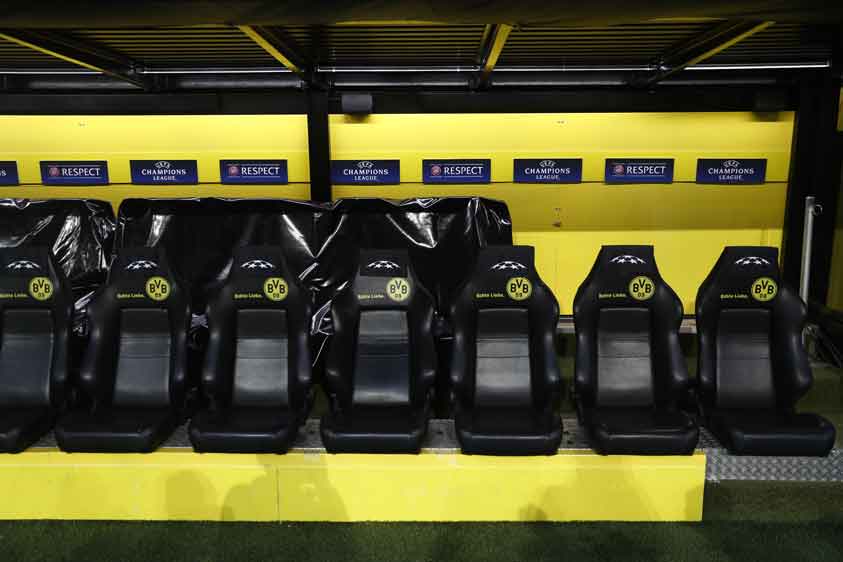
641	288
519	288
157	288
41	288
275	288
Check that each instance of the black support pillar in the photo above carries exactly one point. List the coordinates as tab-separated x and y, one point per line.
319	145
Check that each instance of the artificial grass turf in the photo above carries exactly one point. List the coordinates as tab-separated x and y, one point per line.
739	541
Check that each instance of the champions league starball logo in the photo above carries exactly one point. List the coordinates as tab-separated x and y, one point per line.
23	265
383	264
547	164
618	169
731	164
365	164
436	170
234	170
257	264
141	265
626	258
162	165
507	266
53	171
752	260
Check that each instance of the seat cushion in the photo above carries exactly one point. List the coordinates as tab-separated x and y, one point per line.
508	432
20	428
641	431
389	430
256	430
115	431
769	432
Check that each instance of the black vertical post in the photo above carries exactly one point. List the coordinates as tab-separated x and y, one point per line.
319	145
815	169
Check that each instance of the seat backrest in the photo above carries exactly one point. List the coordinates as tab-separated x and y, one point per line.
35	313
627	324
137	354
258	353
504	321
749	330
383	331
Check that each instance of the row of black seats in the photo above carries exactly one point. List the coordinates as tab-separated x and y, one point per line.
381	362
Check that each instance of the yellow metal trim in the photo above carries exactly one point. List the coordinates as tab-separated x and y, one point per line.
176	484
500	33
50	52
256	36
723	46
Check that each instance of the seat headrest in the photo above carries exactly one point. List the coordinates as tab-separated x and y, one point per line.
141	276
384	278
259	276
625	275
29	277
504	276
745	276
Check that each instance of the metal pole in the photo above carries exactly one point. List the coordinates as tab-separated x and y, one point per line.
812	209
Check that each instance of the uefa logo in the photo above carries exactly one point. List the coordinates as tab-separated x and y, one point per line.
54	171
234	170
731	164
365	164
547	163
162	165
436	170
618	169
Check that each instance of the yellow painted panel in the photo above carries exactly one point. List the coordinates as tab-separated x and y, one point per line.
563	487
118	139
176	484
688	223
116	193
591	136
160	486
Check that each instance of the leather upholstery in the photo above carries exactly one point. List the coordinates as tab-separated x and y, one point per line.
381	361
134	370
35	314
504	368
753	368
257	373
630	373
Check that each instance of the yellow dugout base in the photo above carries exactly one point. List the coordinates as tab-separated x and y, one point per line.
176	484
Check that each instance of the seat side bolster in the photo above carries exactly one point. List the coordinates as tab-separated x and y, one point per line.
340	355
299	343
547	359
463	346
99	360
426	350
792	369
180	323
217	371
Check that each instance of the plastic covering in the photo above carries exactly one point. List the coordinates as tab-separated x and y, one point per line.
80	232
319	240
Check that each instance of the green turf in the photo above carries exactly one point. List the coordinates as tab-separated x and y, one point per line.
709	542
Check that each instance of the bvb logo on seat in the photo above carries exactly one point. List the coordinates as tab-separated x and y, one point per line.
519	288
157	288
764	289
275	289
641	288
398	289
41	288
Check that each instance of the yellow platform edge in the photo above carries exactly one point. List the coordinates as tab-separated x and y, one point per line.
174	484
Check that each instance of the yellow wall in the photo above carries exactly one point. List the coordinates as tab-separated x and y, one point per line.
206	138
689	224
